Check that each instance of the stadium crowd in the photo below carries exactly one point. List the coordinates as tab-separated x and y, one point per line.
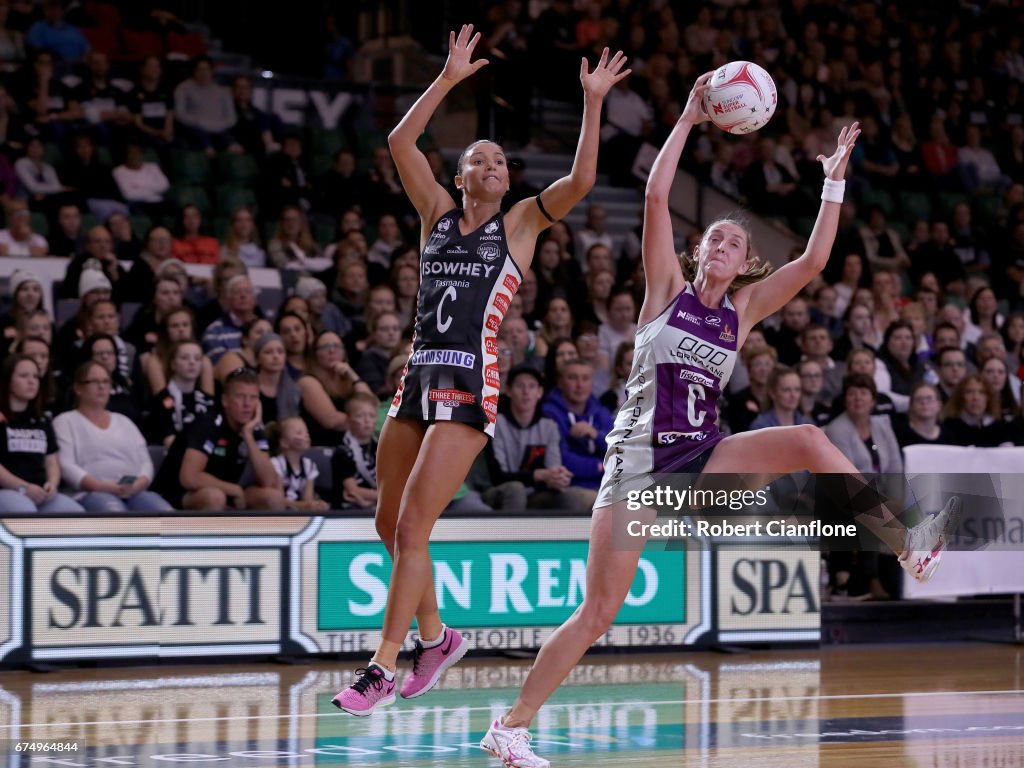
132	165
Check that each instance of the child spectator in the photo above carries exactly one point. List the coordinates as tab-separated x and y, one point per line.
354	463
289	441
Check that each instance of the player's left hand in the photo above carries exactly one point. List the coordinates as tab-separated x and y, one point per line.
835	166
606	74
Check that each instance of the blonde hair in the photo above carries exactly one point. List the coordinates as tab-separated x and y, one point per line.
757	269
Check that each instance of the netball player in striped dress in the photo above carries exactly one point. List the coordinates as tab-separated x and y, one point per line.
473	259
691	324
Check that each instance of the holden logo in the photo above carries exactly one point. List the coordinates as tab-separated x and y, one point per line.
488	252
444	225
491	228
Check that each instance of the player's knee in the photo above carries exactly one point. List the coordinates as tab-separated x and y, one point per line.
410	534
812	441
385	530
597	614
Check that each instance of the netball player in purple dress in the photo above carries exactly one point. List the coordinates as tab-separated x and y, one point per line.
473	259
691	324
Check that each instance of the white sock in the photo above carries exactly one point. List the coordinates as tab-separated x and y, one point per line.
388	674
436	641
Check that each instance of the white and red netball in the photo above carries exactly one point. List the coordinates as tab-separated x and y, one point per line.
741	97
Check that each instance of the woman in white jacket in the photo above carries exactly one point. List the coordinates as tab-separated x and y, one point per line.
103	455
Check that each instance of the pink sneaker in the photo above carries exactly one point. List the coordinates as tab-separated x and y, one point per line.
370	691
428	664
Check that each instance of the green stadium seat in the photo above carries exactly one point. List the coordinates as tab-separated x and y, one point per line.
987	209
915	205
192	196
53	155
189	167
40	225
324	231
230	199
326	141
141	224
89	221
237	169
949	200
879	197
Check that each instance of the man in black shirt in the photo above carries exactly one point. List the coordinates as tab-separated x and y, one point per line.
222	459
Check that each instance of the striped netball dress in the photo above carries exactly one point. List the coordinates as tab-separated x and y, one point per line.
466	285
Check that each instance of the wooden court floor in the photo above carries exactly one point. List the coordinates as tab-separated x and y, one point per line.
932	706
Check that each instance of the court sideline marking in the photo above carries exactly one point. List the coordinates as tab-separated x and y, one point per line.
834	697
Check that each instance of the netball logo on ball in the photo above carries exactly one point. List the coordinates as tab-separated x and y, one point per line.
488	252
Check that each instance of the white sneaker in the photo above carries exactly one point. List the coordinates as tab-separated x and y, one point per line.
512	747
927	540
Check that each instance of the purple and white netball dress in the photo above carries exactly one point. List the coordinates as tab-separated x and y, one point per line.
682	361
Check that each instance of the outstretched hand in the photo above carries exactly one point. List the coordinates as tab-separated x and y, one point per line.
460	51
606	74
835	166
694	111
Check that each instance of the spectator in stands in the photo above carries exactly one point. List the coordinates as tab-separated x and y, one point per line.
177	405
973	415
1006	386
225	333
29	467
620	328
816	344
143	329
103	344
341	186
851	278
628	121
979	169
385	334
784	401
103	455
940	157
622	365
289	441
351	291
524	459
795	317
770	188
38	348
26	294
293	244
560	351
127	245
983	316
54	111
297	337
323	316
516	334
280	396
594	231
243	356
206	462
52	33
253	131
384	193
744	406
104	106
39	179
901	368
152	106
874	159
587	348
354	463
242	240
815	408
908	153
583	423
951	364
968	241
1013	337
67	238
93	286
286	182
555	274
557	324
175	327
938	256
882	243
18	239
405	282
389	237
328	384
922	426
867	440
142	184
204	110
98	255
12	41
92	180
193	247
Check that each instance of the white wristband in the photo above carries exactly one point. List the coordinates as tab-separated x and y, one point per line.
832	191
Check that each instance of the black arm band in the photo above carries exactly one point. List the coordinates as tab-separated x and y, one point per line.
540	204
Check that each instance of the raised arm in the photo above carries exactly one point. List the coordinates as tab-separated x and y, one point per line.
663	276
426	194
755	302
559	198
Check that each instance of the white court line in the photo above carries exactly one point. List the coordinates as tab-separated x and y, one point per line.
438	710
